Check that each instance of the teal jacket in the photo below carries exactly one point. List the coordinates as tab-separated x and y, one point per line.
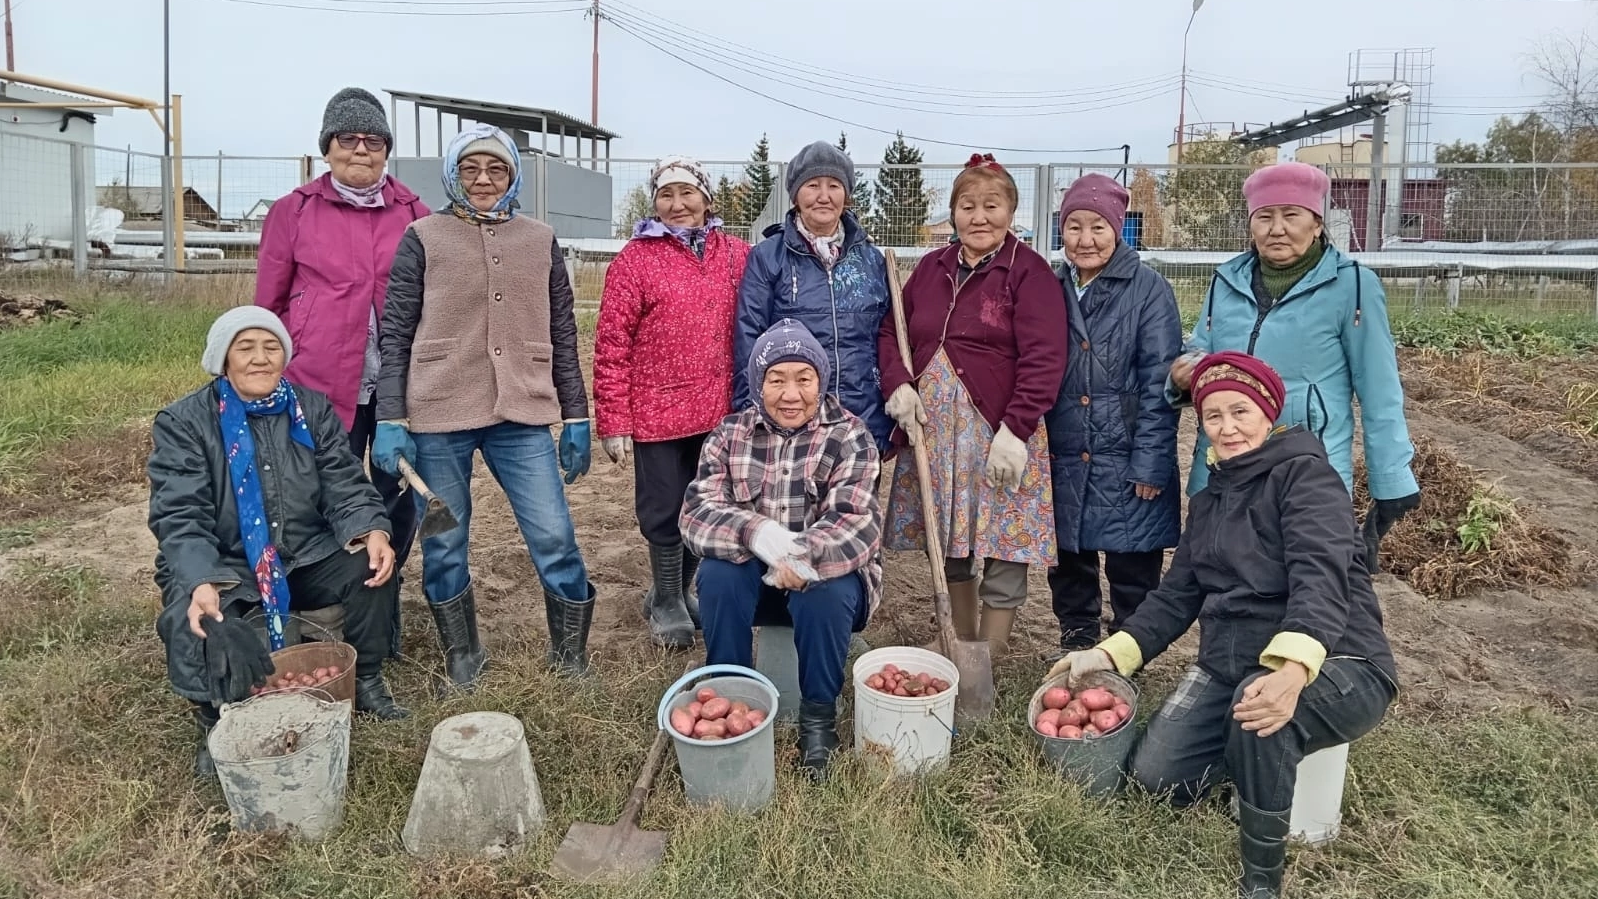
1330	341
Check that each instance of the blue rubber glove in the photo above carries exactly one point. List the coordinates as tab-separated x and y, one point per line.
392	443
574	448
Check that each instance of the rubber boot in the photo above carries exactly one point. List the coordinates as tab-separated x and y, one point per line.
205	718
996	627
690	595
373	698
568	633
1262	841
664	607
818	737
464	658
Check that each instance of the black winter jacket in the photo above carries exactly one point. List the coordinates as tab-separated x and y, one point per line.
1270	547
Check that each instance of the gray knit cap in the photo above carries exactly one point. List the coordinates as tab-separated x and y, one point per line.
354	111
819	160
229	324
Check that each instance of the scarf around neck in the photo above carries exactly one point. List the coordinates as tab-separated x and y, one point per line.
827	249
1279	279
234	413
362	197
692	238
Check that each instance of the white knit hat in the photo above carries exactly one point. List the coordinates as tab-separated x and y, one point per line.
229	324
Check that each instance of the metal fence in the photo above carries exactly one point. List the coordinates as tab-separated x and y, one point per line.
1520	239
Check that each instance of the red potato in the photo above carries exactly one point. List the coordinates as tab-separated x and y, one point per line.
1097	699
320	673
1046	729
717	708
1070	732
875	682
701	727
705	694
755	718
1050	717
1106	720
717	729
1090	731
1122	711
900	691
682	722
740	708
695	708
1056	697
334	671
940	683
890	669
737	724
1074	713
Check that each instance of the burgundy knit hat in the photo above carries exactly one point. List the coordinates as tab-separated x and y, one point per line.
1287	184
1248	375
1096	193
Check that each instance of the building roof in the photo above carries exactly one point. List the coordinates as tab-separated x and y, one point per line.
16	92
145	200
506	116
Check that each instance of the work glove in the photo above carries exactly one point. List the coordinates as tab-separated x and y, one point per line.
617	448
905	408
1081	663
235	659
1380	519
1006	459
575	451
775	544
392	443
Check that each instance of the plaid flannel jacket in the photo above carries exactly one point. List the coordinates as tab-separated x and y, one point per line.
821	482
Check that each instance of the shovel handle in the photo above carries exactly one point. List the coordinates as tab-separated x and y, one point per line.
929	516
415	479
646	780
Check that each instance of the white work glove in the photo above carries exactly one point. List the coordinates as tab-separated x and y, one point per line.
617	448
1006	459
1080	663
776	546
905	408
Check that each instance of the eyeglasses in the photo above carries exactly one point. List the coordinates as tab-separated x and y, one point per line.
374	143
470	173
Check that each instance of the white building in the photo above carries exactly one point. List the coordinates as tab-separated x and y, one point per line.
36	163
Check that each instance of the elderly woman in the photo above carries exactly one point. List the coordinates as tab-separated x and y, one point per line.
1321	320
1112	435
663	370
479	346
784	512
259	510
984	318
325	253
1292	657
818	267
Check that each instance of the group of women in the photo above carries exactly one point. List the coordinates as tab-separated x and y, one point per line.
1048	401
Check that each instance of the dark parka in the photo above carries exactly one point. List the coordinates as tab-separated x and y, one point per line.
1112	427
316	503
1270	547
843	308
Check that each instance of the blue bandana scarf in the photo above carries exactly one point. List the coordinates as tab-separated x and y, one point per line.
258	549
459	203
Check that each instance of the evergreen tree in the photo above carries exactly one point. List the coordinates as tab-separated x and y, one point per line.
728	203
759	181
636	206
900	200
860	193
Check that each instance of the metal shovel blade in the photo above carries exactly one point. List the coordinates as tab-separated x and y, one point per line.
593	852
976	694
436	519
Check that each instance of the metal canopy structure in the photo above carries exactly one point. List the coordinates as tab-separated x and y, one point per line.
1352	111
520	122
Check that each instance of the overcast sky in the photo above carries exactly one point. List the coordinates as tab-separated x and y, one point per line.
1052	75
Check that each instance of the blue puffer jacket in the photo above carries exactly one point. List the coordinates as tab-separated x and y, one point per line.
1330	341
843	308
1111	428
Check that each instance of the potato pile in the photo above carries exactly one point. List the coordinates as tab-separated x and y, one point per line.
293	680
710	717
896	681
1093	713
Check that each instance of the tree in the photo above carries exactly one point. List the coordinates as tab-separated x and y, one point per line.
1203	199
636	206
759	181
901	199
1538	202
728	203
860	192
1145	199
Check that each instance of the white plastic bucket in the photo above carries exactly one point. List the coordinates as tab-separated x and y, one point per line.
283	761
915	730
1318	795
738	773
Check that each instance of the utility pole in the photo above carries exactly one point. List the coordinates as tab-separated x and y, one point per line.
1181	115
593	116
11	53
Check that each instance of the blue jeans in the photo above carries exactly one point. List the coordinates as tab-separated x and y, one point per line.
823	616
1193	741
522	459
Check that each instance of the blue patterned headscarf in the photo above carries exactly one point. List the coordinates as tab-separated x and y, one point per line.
459	203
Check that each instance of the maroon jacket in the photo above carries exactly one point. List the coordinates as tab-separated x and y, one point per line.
1003	330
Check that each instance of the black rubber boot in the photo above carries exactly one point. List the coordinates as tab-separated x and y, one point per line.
664	606
1262	841
818	737
568	633
690	596
464	658
373	698
205	718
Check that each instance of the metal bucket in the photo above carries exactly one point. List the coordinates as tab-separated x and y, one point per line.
739	772
283	761
1097	763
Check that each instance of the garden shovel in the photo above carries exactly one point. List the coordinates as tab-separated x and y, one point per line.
972	658
436	518
596	852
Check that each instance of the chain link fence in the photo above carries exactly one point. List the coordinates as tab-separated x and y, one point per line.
1514	239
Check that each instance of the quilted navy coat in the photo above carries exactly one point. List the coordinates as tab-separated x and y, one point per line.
1111	427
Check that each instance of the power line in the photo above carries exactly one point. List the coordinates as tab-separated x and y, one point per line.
273	4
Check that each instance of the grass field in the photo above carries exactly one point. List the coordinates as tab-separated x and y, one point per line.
96	799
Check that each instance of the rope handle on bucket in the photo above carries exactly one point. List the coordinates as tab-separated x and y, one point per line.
663	712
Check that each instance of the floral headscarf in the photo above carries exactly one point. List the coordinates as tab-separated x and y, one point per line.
459	203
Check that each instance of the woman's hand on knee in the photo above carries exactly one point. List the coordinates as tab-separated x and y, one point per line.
1270	700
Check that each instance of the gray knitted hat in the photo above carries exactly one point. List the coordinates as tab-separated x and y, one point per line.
354	111
229	325
818	160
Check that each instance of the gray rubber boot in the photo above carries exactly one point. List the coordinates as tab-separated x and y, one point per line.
464	657
205	718
1262	842
690	596
664	606
568	632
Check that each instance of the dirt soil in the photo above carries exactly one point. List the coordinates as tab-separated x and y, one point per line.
25	309
1453	655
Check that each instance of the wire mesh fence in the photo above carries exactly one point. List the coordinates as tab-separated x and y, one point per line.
1516	239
